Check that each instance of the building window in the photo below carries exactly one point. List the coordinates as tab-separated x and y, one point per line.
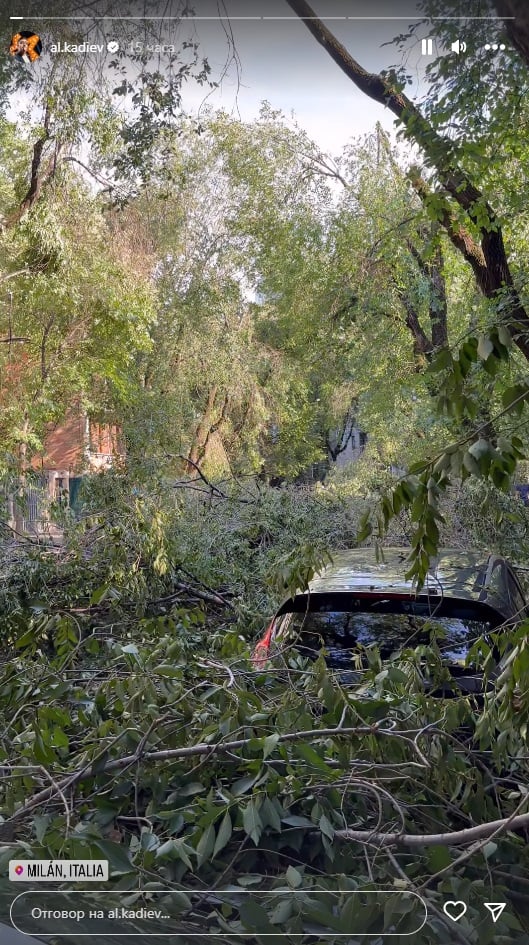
103	438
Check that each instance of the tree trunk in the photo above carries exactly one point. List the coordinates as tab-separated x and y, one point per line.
422	345
432	270
20	498
438	302
203	430
213	417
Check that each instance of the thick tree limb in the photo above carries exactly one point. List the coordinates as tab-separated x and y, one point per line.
438	307
422	345
37	176
452	838
92	769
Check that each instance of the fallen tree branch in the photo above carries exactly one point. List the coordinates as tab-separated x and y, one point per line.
503	826
449	839
214	489
469	835
203	748
208	596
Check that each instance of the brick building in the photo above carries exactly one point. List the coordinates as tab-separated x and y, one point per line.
73	449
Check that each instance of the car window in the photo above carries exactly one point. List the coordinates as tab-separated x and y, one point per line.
503	585
522	576
517	597
341	632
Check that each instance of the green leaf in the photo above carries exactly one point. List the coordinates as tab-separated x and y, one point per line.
282	912
252	822
223	835
42	751
25	640
167	670
149	841
193	787
318	913
176	849
270	814
294	821
505	336
480	448
117	856
254	917
514	397
311	756
492	365
443	361
166	849
396	675
41	823
99	594
467	356
269	744
438	858
485	347
243	785
205	845
365	527
59	739
470	464
326	827
294	877
130	648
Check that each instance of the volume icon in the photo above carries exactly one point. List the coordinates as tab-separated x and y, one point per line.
458	46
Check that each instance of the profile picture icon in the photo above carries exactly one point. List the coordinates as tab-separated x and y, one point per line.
26	46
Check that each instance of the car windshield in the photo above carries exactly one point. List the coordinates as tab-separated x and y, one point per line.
342	631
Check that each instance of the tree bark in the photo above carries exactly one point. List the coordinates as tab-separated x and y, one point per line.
488	258
213	417
438	301
342	439
203	429
517	28
432	271
37	176
422	345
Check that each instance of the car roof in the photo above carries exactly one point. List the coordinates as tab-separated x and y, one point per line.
459	575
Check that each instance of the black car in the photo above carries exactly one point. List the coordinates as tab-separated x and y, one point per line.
359	601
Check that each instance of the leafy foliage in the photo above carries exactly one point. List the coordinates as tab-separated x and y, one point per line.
190	765
232	298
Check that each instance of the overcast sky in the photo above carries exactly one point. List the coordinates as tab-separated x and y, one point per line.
281	62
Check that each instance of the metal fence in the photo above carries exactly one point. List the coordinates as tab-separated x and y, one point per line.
26	510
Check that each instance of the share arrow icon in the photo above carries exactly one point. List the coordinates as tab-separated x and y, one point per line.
495	909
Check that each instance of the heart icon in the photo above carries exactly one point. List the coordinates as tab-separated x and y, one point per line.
455	910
